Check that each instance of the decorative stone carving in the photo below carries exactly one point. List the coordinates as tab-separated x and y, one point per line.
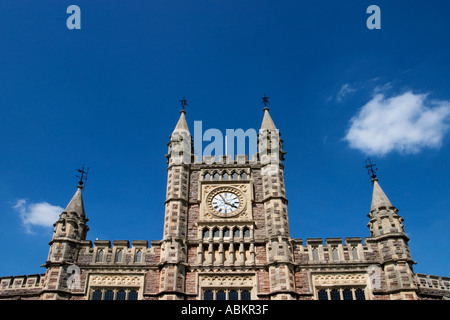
227	280
115	280
340	279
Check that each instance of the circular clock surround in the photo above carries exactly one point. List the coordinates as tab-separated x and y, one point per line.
225	202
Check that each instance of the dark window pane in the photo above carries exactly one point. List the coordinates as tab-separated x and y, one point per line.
208	295
233	295
323	295
236	233
347	293
246	232
97	295
335	295
120	295
206	233
245	295
359	293
226	232
109	295
220	295
215	233
138	256
132	295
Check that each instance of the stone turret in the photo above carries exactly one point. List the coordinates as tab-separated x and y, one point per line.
173	248
388	233
279	248
69	235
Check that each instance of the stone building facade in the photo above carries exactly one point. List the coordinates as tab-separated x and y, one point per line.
226	237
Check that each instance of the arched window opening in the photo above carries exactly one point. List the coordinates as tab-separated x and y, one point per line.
119	256
208	295
245	295
99	255
120	295
138	256
322	295
132	295
109	295
347	294
97	295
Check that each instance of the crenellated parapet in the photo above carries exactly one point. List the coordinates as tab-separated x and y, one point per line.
120	253
318	251
23	286
433	287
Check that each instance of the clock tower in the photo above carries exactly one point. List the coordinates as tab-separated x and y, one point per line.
226	231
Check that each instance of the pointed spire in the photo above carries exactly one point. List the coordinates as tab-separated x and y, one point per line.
267	122
379	198
182	123
76	204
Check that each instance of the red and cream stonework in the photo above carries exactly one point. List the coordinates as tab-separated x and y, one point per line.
247	252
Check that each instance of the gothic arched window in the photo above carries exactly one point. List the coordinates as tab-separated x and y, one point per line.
138	256
245	295
120	295
208	295
97	295
205	233
99	255
132	295
109	295
246	232
355	253
335	295
322	294
215	233
233	295
225	176
216	176
234	176
243	176
236	233
119	256
220	295
335	255
359	294
347	294
207	176
226	232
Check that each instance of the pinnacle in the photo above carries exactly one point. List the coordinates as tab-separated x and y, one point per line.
379	198
182	124
267	122
76	204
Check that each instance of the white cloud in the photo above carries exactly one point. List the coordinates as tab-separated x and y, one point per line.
41	214
345	90
406	123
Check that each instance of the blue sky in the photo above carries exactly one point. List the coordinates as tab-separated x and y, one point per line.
107	96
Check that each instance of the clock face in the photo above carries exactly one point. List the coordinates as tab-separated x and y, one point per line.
225	202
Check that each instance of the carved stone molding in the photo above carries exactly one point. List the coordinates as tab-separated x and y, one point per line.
340	279
115	280
227	280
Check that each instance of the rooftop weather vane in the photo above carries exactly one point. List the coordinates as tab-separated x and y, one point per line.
183	103
82	176
371	169
265	101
